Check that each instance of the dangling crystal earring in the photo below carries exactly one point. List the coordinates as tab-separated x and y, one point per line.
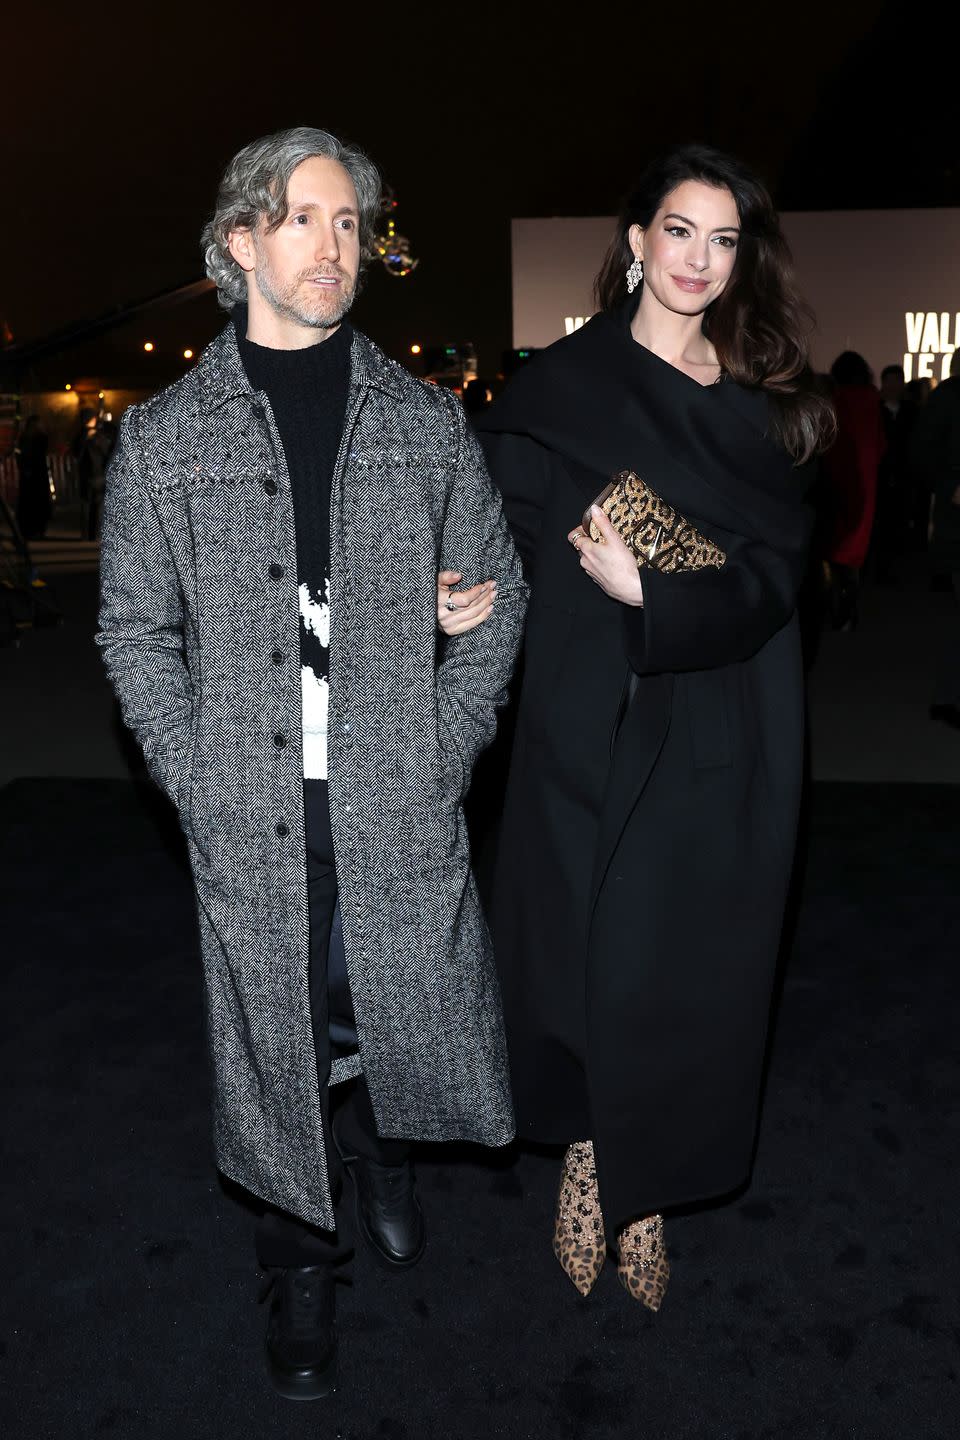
634	274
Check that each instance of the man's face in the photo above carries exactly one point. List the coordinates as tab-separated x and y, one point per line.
891	387
306	270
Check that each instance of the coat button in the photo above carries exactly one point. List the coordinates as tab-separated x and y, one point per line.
270	486
279	741
346	729
277	657
258	412
281	830
276	571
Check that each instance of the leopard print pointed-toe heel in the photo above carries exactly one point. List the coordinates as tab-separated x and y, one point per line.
579	1242
644	1268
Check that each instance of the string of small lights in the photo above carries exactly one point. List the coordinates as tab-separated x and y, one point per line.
393	248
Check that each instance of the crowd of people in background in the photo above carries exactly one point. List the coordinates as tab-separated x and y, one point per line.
89	450
936	454
888	487
873	495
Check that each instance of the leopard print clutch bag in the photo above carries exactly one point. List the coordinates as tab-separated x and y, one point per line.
654	532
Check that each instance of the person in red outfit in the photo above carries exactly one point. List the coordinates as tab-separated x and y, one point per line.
850	470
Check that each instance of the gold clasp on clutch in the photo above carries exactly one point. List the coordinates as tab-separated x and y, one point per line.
653	548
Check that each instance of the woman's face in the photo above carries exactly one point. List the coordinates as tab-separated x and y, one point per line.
689	248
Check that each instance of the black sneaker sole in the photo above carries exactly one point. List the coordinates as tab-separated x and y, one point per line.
303	1385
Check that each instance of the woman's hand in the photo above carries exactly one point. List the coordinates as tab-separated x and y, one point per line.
608	561
465	609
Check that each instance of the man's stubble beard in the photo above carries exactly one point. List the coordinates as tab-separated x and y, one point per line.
289	301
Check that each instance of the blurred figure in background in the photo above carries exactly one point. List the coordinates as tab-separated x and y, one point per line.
936	454
850	470
91	449
34	503
84	457
892	525
477	395
892	387
814	591
916	393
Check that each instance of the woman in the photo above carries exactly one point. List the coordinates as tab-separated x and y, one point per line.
851	467
649	821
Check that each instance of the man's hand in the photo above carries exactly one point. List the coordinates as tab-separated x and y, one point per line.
462	610
608	561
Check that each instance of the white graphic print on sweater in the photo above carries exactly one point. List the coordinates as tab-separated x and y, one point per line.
315	620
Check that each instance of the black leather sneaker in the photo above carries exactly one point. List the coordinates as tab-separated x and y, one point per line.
948	714
301	1335
388	1212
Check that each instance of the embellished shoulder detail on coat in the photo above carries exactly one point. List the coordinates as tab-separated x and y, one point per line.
175	419
217	375
168	406
372	367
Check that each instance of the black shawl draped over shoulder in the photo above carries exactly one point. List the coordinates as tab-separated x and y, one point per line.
650	815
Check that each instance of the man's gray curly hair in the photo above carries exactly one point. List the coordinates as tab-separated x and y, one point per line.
254	187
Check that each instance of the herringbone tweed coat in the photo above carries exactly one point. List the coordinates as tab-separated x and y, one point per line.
199	632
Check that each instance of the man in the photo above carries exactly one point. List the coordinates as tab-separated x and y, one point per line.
936	454
92	448
890	527
273	528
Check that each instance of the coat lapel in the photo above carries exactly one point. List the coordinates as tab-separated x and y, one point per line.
221	376
220	373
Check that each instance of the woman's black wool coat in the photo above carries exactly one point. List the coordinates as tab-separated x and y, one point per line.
649	825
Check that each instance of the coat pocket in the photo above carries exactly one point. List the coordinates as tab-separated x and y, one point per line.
185	789
707	706
166	759
453	769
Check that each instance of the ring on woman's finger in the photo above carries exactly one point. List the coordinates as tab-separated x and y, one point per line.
451	604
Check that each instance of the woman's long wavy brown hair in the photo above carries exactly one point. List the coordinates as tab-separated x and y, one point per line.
759	325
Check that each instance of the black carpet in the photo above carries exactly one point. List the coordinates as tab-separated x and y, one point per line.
820	1303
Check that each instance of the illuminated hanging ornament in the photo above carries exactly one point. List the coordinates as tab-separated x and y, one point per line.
393	249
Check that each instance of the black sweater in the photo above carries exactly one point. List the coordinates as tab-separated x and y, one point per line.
307	391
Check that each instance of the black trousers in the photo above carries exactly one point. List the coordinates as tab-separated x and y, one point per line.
282	1239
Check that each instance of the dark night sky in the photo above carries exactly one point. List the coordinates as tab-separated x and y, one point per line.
119	120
